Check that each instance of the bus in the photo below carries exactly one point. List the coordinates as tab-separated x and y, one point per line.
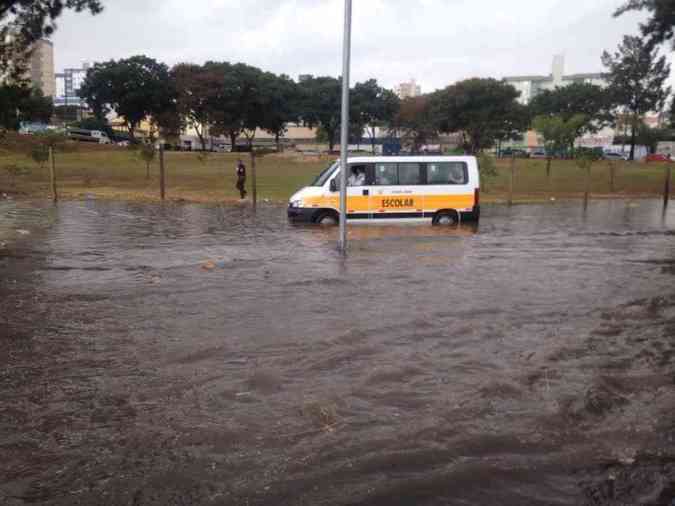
440	190
80	134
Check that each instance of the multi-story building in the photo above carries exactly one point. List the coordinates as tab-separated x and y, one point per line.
531	86
68	84
41	67
408	90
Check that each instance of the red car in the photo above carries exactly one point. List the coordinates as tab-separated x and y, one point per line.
657	157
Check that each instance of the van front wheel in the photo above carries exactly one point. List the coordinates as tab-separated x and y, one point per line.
326	218
445	218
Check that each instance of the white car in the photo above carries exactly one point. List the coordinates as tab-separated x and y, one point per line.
614	156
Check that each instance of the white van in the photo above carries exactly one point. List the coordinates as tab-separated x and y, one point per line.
438	189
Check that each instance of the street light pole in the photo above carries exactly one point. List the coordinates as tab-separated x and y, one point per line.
344	133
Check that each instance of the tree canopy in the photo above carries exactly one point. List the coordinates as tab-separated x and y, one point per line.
196	86
482	110
321	104
660	26
559	131
637	77
414	122
135	88
20	103
22	22
280	98
372	106
576	100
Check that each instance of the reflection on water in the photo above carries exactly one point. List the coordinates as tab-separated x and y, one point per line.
155	355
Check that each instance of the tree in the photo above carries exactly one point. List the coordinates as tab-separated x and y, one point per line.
414	123
237	105
589	100
373	106
22	22
135	88
321	105
512	125
636	80
11	96
660	26
196	85
479	109
647	136
21	103
281	100
35	107
558	133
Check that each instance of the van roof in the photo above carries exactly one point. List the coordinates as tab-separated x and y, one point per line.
409	158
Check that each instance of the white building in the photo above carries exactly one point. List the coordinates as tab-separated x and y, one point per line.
408	90
68	84
530	86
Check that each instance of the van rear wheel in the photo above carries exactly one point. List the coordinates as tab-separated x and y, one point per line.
445	218
326	218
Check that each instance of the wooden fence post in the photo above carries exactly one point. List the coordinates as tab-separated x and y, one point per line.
52	175
666	186
612	176
254	183
162	173
588	185
511	178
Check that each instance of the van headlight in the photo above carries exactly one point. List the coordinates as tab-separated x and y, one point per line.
296	203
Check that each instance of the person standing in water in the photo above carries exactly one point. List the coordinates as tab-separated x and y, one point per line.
241	179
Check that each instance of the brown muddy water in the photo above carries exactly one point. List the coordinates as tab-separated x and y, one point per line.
188	355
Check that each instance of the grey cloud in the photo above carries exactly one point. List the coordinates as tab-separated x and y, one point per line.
436	41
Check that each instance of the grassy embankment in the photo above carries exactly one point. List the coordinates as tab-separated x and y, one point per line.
118	173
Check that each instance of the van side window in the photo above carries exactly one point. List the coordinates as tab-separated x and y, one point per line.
386	174
409	173
447	173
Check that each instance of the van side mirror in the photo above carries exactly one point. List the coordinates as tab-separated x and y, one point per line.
333	185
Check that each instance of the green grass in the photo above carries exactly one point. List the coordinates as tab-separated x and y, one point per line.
120	174
569	181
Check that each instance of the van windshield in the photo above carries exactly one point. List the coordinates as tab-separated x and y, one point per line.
325	175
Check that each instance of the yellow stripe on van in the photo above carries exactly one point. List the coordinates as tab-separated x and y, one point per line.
393	203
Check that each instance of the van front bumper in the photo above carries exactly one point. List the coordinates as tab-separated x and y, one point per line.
300	214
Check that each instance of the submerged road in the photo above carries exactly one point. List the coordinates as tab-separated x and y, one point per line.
195	355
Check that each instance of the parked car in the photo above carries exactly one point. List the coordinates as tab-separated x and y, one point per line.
538	154
614	156
657	157
518	153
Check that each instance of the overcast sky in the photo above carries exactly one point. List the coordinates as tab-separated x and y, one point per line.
435	41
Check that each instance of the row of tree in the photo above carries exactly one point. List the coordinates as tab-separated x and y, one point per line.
224	99
234	100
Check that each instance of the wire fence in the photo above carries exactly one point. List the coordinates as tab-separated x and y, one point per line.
211	177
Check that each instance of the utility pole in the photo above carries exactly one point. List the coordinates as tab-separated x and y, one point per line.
344	133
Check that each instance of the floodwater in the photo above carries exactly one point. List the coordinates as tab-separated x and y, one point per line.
194	355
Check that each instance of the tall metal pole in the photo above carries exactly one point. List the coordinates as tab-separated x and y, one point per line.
344	134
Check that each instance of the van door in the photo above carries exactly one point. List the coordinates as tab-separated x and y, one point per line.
359	188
